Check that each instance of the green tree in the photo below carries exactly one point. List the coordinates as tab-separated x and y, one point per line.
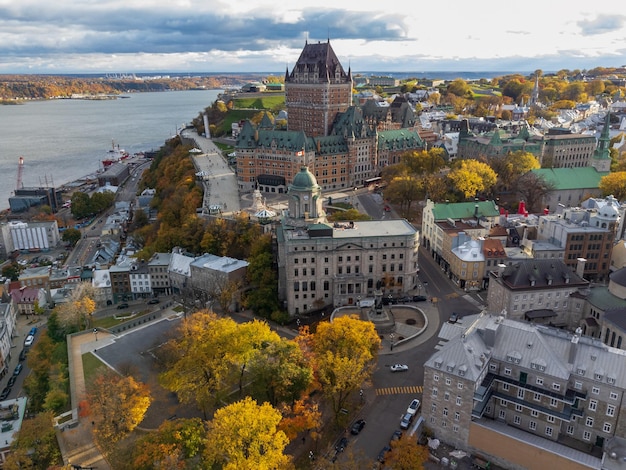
71	236
11	271
81	205
245	436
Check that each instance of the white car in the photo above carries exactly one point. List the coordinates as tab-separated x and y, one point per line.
399	368
29	340
413	407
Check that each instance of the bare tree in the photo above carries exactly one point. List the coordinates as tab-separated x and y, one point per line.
533	189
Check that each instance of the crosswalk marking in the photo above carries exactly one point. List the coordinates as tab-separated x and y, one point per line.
410	389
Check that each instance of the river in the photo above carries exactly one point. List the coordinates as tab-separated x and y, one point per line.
63	140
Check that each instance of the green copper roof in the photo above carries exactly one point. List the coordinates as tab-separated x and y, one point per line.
304	180
571	178
399	139
465	210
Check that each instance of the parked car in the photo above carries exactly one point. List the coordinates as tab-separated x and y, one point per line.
420	298
341	444
30	339
383	454
11	381
405	299
414	406
153	301
357	427
23	354
5	393
399	368
33	331
405	422
454	317
122	306
18	369
396	436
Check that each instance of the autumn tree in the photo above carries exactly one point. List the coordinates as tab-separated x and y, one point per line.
614	184
406	455
345	352
424	161
459	87
215	354
76	314
471	177
245	436
35	445
511	166
405	190
118	404
301	416
171	446
533	188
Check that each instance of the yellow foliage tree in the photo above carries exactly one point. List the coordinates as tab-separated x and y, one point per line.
614	184
245	436
406	455
118	404
345	352
472	177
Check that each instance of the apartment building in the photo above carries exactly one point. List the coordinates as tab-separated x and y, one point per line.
525	395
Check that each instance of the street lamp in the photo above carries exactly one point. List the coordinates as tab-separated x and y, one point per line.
391	336
419	289
95	333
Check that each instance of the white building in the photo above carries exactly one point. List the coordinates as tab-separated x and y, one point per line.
103	290
31	236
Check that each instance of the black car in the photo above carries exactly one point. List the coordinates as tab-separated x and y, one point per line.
23	354
121	306
11	381
341	444
357	427
153	301
5	393
383	454
419	298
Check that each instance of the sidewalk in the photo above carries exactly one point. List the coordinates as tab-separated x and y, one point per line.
75	438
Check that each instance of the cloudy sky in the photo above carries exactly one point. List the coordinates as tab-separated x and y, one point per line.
123	36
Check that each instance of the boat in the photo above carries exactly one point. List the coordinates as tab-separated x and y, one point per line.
114	155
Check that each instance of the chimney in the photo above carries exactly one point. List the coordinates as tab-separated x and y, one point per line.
580	267
207	131
573	346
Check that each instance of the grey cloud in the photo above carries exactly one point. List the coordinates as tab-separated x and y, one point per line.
601	24
171	31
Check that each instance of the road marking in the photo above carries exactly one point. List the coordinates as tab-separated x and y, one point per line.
411	389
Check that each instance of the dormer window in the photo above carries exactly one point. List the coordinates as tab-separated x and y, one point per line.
597	376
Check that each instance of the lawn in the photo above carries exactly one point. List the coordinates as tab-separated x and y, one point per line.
91	364
265	102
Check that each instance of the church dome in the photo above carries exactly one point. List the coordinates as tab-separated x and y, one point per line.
304	180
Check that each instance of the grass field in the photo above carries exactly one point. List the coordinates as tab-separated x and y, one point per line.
260	102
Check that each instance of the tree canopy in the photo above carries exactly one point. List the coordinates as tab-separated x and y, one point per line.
472	177
614	184
246	436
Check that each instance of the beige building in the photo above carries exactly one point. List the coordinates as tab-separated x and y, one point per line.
536	290
322	264
525	396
